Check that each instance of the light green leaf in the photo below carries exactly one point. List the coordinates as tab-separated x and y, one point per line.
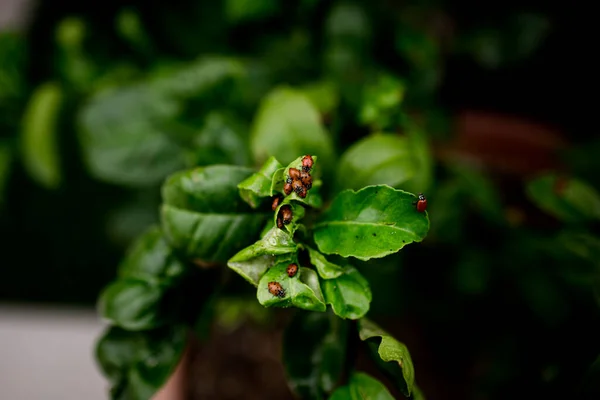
137	364
377	159
203	216
252	262
568	199
258	185
395	355
314	352
362	387
39	135
370	223
150	259
326	269
349	294
286	125
302	290
297	215
323	95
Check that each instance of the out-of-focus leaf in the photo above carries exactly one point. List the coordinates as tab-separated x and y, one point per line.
286	125
422	157
370	223
258	185
137	364
479	190
132	304
323	96
326	269
12	62
39	135
241	10
131	218
5	161
221	141
362	387
349	294
252	262
377	159
568	199
302	290
203	216
394	354
381	101
73	63
150	258
129	26
314	351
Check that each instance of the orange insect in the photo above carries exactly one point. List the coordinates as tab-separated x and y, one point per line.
292	270
275	289
307	163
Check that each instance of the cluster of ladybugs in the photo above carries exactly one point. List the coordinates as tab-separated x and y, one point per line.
297	181
275	287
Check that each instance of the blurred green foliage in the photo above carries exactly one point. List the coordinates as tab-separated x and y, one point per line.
100	104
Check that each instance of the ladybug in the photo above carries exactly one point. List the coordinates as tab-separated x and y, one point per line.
301	191
287	188
297	185
421	203
279	223
294	173
275	289
292	270
276	202
286	214
307	163
306	180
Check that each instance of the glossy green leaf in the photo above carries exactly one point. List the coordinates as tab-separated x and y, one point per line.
39	135
258	185
377	159
314	353
349	294
301	291
370	223
394	354
124	136
252	262
137	364
288	125
150	259
362	387
568	199
325	268
132	304
203	216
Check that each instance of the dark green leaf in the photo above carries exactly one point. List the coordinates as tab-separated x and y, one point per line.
150	259
349	294
5	162
132	304
137	364
377	159
203	215
241	10
395	355
314	350
302	291
568	199
258	185
39	135
326	269
370	223
287	124
362	387
252	262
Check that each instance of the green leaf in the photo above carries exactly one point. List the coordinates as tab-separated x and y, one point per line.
370	223
302	290
326	269
323	95
421	154
568	199
362	387
39	135
258	185
381	101
203	216
252	262
395	355
137	364
297	215
124	136
286	125
349	294
5	164
314	352
150	259
241	10
377	159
